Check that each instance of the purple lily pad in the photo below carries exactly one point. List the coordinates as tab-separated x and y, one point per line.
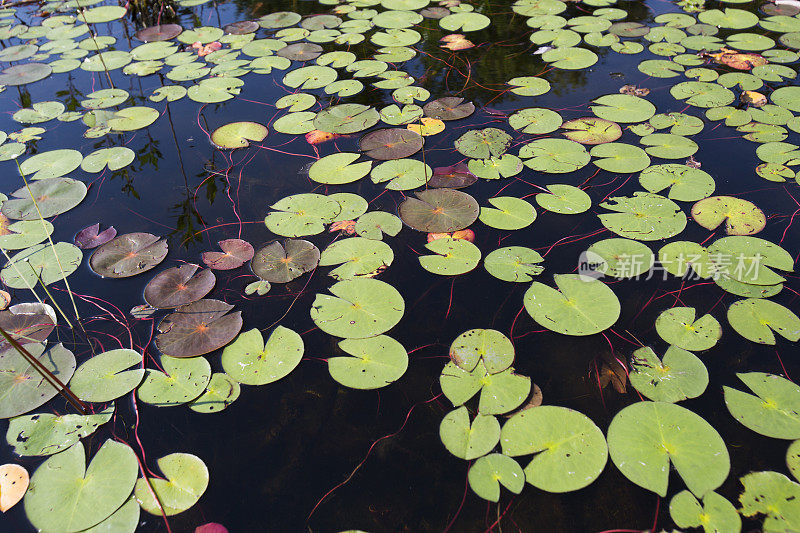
91	237
235	253
178	286
391	143
455	176
198	328
163	32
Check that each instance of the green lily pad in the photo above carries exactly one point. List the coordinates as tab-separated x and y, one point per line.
564	199
644	438
580	306
793	458
106	61
22	387
107	376
468	440
554	156
465	21
685	184
39	112
735	19
346	118
396	116
132	118
183	380
570	58
773	411
359	308
252	361
668	146
439	211
339	168
222	390
787	97
376	362
353	205
296	102
773	495
536	121
186	479
623	108
215	90
238	134
570	451
643	217
702	94
295	123
300	215
621	258
750	259
529	86
661	68
52	502
41	263
480	144
279	19
591	130
25	73
756	319
514	263
494	168
170	92
620	157
678	326
281	263
740	216
508	213
680	375
53	196
51	164
358	257
490	471
198	328
501	392
715	514
375	224
113	158
128	255
24	234
46	434
452	257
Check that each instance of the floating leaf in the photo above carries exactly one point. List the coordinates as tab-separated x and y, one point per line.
592	130
469	441
53	196
222	390
91	236
46	434
198	328
358	257
25	73
570	58
107	376
702	94
24	233
678	326
449	108
529	86
376	362
161	32
14	481
302	214
679	376
455	176
53	504
346	118
750	259
235	253
644	217
178	286
251	361
570	451
51	164
41	263
128	255
773	411
391	143
490	471
238	134
535	120
494	168
27	322
480	144
182	381
564	199
755	319
554	156
620	258
620	157
514	263
439	211
773	495
453	257
301	52
623	108
375	224
686	184
740	216
509	213
580	306
644	438
186	480
281	263
359	308
22	387
715	514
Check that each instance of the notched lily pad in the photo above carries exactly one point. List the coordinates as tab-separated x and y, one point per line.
198	328
128	255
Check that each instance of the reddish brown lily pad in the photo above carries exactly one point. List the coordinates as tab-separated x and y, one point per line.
455	176
26	323
128	255
281	263
198	328
162	32
449	108
243	27
235	253
300	51
178	286
91	237
391	143
439	211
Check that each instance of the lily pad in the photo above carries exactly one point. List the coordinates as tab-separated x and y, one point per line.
644	438
592	130
25	73
564	199
44	262
161	32
186	479
53	504
680	375
715	514
46	434
455	176
22	387
107	376
678	326
755	319
359	308
281	263
182	381
623	108
238	134
178	286
569	449
750	259
580	306
346	118
490	471
439	211
514	263
620	157
375	224
773	495
449	108
52	197
702	94
302	214
24	233
554	156
113	158
620	258
480	144
644	217
468	440
740	216
685	184
390	143
358	257
221	391
376	362
773	411
508	213
128	255
535	120
452	257
198	328
252	361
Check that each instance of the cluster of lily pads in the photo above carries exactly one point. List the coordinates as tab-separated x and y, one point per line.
567	450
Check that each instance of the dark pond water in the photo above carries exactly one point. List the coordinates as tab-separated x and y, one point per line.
276	451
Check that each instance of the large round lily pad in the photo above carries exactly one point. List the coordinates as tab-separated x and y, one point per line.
197	328
42	263
376	362
623	108
65	495
644	438
359	308
185	480
339	168
480	144
281	263
252	361
773	411
52	196
128	255
514	263
178	286
685	184
439	211
592	130
680	375
580	306
449	108
161	32
22	387
238	134
107	375
644	217
451	257
25	73
357	257
391	143
755	319
346	118
569	449
302	214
